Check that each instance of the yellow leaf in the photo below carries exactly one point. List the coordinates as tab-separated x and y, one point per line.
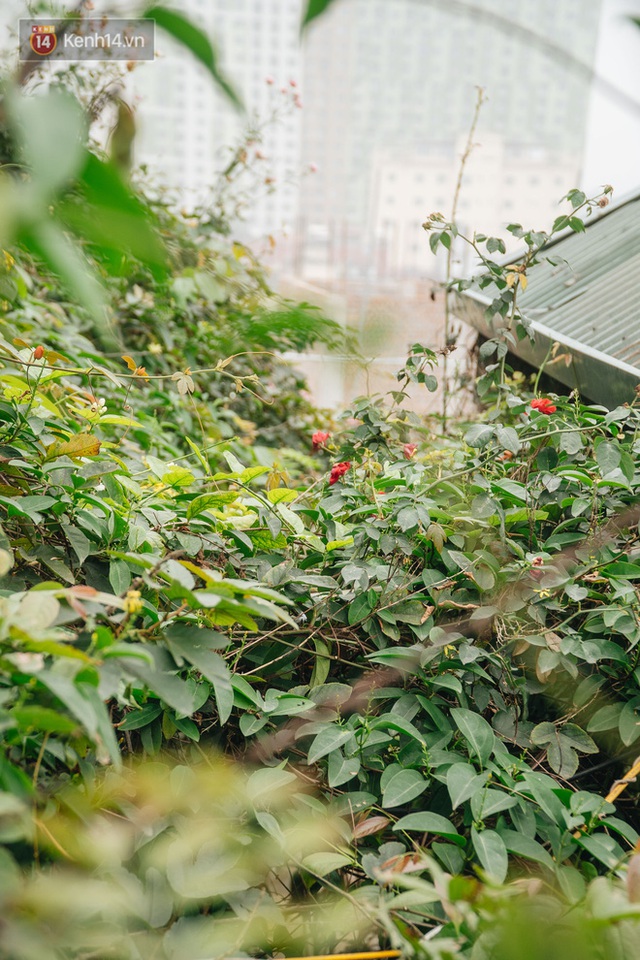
523	282
81	445
135	369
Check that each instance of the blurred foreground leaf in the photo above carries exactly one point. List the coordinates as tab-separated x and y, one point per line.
185	32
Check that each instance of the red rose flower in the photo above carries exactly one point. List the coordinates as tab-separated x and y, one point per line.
544	405
319	439
338	471
409	450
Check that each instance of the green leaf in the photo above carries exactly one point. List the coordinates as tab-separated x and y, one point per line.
281	495
408	519
140	718
342	769
52	245
287	705
198	647
392	721
523	846
52	130
314	9
629	723
119	576
462	782
329	739
322	663
429	823
68	693
207	501
404	785
606	718
479	435
508	438
115	220
543	733
495	245
264	782
546	798
81	545
571	883
576	198
290	518
167	686
43	718
562	758
359	609
624	829
192	37
622	569
491	852
323	863
105	734
578	739
608	457
476	732
487	803
602	847
187	726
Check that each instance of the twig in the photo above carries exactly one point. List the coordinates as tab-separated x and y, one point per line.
454	211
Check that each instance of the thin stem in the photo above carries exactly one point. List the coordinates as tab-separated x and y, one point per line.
454	211
34	781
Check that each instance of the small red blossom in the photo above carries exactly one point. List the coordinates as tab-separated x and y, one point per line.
38	353
319	439
338	471
544	405
409	450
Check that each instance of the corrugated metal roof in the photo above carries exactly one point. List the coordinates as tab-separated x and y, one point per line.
589	303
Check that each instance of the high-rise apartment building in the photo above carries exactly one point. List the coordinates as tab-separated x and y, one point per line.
187	129
392	80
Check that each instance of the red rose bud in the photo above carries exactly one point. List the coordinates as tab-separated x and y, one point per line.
338	471
409	450
543	405
38	353
319	439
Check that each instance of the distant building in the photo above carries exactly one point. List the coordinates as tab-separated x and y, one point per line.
501	183
187	129
388	80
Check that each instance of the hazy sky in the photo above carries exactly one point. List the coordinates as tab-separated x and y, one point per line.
613	136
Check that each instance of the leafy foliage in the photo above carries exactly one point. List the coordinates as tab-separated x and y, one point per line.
438	634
